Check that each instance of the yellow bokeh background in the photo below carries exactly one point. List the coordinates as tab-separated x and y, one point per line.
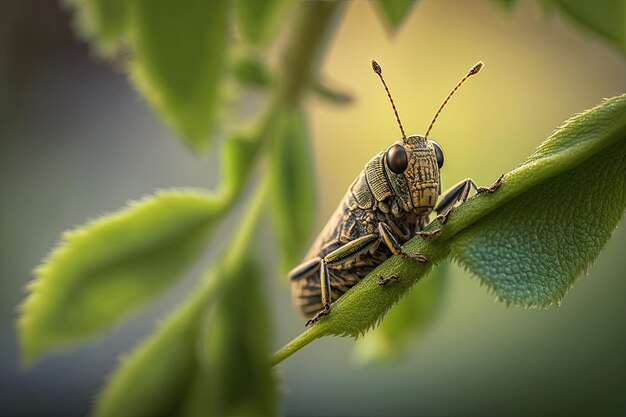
539	70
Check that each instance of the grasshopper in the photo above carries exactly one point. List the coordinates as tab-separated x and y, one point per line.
388	203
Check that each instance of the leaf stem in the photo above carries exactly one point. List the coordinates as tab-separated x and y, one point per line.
294	78
310	31
296	344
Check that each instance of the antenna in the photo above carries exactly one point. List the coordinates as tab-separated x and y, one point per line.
378	70
474	70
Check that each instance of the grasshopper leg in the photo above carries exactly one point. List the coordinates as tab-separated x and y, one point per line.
391	242
393	245
458	193
429	235
492	189
348	251
326	297
386	280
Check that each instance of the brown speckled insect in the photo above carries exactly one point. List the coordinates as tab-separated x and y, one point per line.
388	203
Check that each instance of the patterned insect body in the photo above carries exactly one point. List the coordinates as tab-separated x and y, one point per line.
402	201
388	203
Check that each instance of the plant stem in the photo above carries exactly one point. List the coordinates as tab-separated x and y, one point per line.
296	344
311	28
294	77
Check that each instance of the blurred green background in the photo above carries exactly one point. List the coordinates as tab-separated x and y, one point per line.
76	140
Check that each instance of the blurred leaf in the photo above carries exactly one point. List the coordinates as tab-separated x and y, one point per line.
238	157
235	377
605	18
112	265
160	373
239	343
252	73
330	94
179	57
292	184
153	379
394	11
101	21
407	318
529	240
259	19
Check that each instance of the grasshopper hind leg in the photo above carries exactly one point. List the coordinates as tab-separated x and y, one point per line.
305	289
326	298
351	250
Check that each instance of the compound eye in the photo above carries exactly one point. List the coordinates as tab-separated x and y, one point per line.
397	160
438	153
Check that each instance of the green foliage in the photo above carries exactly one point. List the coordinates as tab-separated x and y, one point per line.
112	265
330	94
292	192
605	18
394	11
404	321
154	378
179	56
103	22
238	156
532	249
178	50
252	73
237	345
590	144
167	373
258	19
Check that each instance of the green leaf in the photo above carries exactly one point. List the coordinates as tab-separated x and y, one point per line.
252	73
534	247
103	22
235	377
604	18
159	374
408	318
566	199
154	378
103	270
179	59
238	157
292	184
330	94
394	11
259	19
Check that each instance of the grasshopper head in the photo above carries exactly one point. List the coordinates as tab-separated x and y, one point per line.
412	166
